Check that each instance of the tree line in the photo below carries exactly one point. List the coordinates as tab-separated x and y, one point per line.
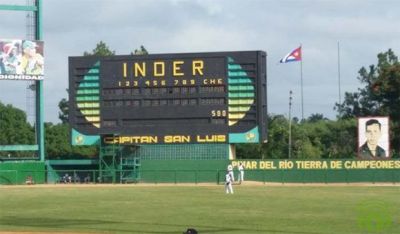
313	138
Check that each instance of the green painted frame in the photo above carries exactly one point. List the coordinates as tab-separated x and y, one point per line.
19	147
37	9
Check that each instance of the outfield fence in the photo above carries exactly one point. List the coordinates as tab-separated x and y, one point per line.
198	176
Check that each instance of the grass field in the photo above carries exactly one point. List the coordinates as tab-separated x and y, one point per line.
172	209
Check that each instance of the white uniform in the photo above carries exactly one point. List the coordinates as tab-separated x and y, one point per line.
241	173
230	171
228	183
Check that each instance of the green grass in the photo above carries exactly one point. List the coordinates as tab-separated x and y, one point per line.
172	209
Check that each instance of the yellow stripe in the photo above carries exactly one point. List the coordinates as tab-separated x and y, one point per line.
238	109
232	122
93	119
124	68
236	116
88	105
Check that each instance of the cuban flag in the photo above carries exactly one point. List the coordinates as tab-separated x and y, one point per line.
293	56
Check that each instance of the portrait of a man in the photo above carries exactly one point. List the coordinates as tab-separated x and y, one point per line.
373	137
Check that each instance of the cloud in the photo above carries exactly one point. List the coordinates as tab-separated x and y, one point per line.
363	28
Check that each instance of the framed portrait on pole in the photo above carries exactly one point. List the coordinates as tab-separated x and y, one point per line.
373	137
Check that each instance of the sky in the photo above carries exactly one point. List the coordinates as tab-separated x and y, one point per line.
363	28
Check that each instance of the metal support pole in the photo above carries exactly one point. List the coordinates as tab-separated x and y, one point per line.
39	87
302	98
290	124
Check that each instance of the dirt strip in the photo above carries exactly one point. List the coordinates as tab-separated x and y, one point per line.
246	183
49	232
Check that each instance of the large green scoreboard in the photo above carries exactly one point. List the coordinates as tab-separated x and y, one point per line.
169	98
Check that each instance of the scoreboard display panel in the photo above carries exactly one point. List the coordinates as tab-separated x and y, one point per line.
169	98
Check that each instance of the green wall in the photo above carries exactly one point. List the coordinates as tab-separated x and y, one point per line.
183	152
17	172
280	171
181	171
184	164
213	171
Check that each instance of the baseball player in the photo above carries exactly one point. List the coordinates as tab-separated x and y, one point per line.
230	170
241	173
228	183
31	62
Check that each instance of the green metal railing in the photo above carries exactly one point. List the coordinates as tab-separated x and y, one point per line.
202	176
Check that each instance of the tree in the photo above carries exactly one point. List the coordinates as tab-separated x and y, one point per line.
277	146
141	51
63	113
278	135
14	129
57	140
58	144
100	50
318	138
333	139
379	96
316	117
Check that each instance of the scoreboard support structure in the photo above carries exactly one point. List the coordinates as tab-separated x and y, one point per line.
118	163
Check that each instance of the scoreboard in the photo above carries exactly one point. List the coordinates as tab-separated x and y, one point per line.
169	98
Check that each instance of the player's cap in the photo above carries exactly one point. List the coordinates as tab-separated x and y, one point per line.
29	44
8	47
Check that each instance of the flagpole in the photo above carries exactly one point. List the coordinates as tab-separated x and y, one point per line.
301	78
290	124
294	56
338	52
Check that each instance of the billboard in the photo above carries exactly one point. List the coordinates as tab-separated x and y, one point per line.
373	138
21	60
169	98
